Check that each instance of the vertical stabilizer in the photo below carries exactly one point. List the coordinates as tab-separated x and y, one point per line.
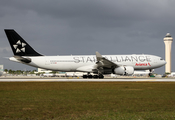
19	46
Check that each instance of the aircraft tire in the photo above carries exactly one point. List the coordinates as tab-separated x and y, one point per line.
150	74
101	76
89	76
95	76
85	76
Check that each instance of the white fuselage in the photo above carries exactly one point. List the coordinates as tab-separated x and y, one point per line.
85	63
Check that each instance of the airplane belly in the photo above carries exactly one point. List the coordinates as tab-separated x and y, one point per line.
64	67
70	66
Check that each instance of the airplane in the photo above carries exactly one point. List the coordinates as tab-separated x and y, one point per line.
97	64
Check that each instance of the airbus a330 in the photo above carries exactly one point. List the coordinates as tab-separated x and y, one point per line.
97	64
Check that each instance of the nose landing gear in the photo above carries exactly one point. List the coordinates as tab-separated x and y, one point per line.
151	73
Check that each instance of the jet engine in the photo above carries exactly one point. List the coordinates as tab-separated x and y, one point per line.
124	70
103	71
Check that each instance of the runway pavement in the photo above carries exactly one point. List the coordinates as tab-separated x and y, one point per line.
86	80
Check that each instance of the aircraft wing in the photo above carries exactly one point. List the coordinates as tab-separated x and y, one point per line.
103	62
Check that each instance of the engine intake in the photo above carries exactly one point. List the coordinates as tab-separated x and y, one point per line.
124	70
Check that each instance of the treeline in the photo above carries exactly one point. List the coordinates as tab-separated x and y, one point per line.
25	72
18	72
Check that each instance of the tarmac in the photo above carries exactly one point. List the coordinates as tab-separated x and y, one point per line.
70	79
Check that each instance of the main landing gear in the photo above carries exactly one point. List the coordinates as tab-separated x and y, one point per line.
100	76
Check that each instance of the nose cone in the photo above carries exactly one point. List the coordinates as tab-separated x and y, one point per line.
163	62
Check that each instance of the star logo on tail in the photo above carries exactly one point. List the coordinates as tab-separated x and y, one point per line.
19	46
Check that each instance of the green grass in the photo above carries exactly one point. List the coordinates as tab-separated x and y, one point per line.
87	100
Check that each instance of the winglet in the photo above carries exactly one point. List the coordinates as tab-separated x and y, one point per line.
98	56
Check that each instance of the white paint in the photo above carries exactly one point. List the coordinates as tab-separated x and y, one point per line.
168	41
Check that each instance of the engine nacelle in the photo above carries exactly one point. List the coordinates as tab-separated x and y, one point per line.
124	70
106	71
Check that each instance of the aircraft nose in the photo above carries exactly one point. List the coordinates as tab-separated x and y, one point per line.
164	62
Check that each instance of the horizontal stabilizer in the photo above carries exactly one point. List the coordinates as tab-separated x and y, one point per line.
22	59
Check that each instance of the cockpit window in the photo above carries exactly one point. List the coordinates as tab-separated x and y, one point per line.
161	59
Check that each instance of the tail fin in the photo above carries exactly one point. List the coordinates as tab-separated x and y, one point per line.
19	46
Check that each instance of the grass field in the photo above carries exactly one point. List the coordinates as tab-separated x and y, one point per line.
87	100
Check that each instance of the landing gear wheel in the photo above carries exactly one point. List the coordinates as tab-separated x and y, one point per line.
89	76
95	76
150	74
101	76
85	76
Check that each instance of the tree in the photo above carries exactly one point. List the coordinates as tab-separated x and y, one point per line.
10	71
33	72
6	70
54	72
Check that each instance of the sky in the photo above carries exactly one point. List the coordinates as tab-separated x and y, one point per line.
82	27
